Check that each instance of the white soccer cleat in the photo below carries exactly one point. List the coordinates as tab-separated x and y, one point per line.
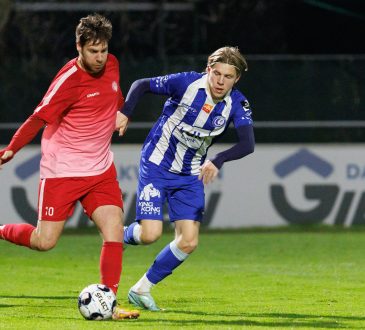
144	301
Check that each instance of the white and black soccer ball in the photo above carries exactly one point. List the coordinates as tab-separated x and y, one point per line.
97	302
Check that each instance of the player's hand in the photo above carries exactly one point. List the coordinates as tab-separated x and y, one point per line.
5	156
208	172
121	123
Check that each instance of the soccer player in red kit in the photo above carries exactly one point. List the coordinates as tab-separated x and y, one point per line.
79	115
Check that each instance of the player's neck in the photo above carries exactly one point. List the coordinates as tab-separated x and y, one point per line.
80	64
214	99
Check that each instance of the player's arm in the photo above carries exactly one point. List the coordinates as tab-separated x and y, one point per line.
25	133
244	147
137	90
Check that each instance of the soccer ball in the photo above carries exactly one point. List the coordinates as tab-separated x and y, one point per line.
97	302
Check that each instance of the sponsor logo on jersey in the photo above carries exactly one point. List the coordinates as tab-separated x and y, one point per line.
145	203
207	108
245	105
188	107
93	94
148	192
114	86
219	121
148	208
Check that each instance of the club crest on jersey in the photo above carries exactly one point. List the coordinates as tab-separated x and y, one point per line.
219	121
207	108
114	86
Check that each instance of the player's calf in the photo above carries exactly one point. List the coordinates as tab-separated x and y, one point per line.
19	234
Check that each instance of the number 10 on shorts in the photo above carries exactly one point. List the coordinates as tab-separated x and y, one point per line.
49	211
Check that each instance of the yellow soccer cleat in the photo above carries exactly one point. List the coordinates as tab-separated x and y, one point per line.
121	313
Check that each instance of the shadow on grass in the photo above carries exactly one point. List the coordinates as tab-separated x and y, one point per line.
281	315
206	319
38	297
54	298
284	320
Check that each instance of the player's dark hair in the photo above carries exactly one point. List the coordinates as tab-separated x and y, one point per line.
229	55
95	28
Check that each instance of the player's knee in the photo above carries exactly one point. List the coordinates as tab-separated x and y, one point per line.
113	232
148	237
45	245
188	246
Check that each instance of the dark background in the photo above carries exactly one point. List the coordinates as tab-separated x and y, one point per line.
305	58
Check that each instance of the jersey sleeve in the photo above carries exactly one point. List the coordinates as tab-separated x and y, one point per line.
61	94
171	84
26	133
242	115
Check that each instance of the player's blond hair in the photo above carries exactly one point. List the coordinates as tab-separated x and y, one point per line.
95	28
229	55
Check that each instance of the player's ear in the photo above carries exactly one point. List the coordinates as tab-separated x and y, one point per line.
78	47
238	78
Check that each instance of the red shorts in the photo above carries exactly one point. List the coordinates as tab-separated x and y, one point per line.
57	197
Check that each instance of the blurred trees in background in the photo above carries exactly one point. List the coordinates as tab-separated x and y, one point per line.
35	43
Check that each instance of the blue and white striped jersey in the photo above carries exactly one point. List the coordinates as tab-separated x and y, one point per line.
190	121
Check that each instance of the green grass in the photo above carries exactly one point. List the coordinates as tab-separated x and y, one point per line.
280	279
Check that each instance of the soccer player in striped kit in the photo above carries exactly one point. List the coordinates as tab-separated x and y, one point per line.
173	163
79	114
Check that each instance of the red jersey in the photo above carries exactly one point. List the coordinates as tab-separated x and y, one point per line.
80	112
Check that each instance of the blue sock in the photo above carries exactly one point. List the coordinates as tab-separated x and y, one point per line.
166	261
128	234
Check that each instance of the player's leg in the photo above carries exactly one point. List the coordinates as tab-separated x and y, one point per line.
169	258
53	208
185	202
104	205
186	236
143	232
18	234
42	238
172	255
46	235
150	199
108	219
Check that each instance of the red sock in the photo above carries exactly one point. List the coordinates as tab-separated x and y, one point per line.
18	233
111	264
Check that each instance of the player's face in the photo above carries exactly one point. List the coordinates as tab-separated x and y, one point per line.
221	78
93	56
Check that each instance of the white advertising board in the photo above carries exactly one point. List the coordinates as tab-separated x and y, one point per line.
276	185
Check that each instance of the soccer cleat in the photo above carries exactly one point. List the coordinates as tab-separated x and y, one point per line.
121	313
144	301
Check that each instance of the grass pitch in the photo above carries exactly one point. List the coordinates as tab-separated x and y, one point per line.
280	279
